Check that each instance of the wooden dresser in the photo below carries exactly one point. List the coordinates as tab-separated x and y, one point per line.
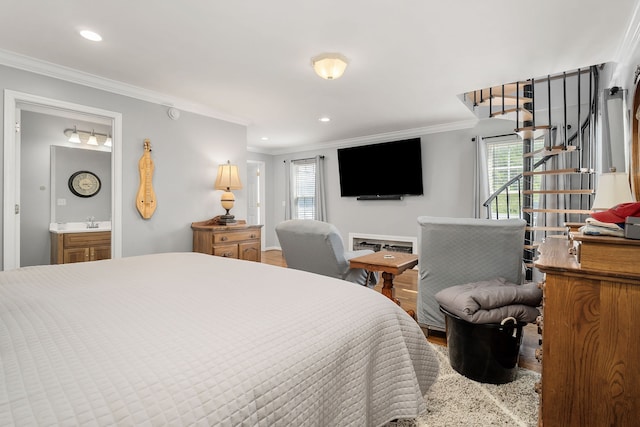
590	343
239	240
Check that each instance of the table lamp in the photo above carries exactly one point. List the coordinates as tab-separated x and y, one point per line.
612	189
228	179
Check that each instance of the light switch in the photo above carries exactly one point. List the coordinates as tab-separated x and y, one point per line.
62	202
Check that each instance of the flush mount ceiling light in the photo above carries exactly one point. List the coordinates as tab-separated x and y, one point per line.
329	66
90	35
324	119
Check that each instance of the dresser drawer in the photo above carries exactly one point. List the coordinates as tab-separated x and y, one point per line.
239	241
235	236
227	251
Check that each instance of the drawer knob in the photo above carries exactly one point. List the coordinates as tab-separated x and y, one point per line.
224	238
253	236
227	254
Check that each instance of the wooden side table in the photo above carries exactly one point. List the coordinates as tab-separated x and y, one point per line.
239	240
390	264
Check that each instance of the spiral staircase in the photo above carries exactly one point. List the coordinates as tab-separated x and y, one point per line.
555	117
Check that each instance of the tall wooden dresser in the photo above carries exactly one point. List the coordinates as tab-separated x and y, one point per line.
239	240
590	340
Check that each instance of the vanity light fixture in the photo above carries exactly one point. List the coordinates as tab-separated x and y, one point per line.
88	137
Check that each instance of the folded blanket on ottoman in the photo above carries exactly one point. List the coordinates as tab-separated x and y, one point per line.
491	301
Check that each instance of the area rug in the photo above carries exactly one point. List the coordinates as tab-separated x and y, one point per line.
455	400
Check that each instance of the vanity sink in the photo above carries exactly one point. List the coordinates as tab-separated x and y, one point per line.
79	227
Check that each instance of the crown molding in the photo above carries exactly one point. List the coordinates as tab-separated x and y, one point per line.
370	139
71	75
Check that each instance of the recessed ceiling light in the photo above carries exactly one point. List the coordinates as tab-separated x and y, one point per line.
324	119
265	138
90	35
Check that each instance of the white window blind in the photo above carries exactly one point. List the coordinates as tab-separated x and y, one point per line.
504	162
303	188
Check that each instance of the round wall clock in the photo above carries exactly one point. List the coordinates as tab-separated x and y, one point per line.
84	184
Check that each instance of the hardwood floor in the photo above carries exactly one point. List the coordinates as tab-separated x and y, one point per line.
406	288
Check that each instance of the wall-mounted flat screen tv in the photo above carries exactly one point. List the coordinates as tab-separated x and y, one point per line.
387	170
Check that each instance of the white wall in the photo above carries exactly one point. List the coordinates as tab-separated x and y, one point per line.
448	164
186	153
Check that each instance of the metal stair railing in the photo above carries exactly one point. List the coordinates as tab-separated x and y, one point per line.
493	199
518	196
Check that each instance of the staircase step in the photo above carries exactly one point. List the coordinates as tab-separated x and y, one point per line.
483	94
559	172
532	132
553	151
532	246
574	191
544	228
560	211
496	100
511	113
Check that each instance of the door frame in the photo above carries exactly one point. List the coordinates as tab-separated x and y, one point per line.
261	195
11	181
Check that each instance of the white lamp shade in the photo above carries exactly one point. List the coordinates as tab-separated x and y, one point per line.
612	189
75	137
228	178
329	66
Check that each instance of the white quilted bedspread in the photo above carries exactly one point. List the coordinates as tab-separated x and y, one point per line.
190	339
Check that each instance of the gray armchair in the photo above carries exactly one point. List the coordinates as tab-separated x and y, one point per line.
455	251
317	247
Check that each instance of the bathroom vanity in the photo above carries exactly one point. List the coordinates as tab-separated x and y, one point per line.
75	242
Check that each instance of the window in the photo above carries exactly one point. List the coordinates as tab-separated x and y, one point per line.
505	162
303	188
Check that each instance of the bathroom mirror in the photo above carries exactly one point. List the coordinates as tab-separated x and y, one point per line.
67	206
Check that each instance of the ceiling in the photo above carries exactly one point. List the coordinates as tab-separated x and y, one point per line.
249	61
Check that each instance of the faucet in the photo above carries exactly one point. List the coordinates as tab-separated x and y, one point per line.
91	222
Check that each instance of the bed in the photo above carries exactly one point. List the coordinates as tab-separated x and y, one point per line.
192	339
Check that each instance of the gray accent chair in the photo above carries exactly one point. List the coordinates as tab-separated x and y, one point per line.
455	251
317	247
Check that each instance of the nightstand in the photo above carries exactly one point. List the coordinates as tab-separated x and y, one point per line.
238	240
